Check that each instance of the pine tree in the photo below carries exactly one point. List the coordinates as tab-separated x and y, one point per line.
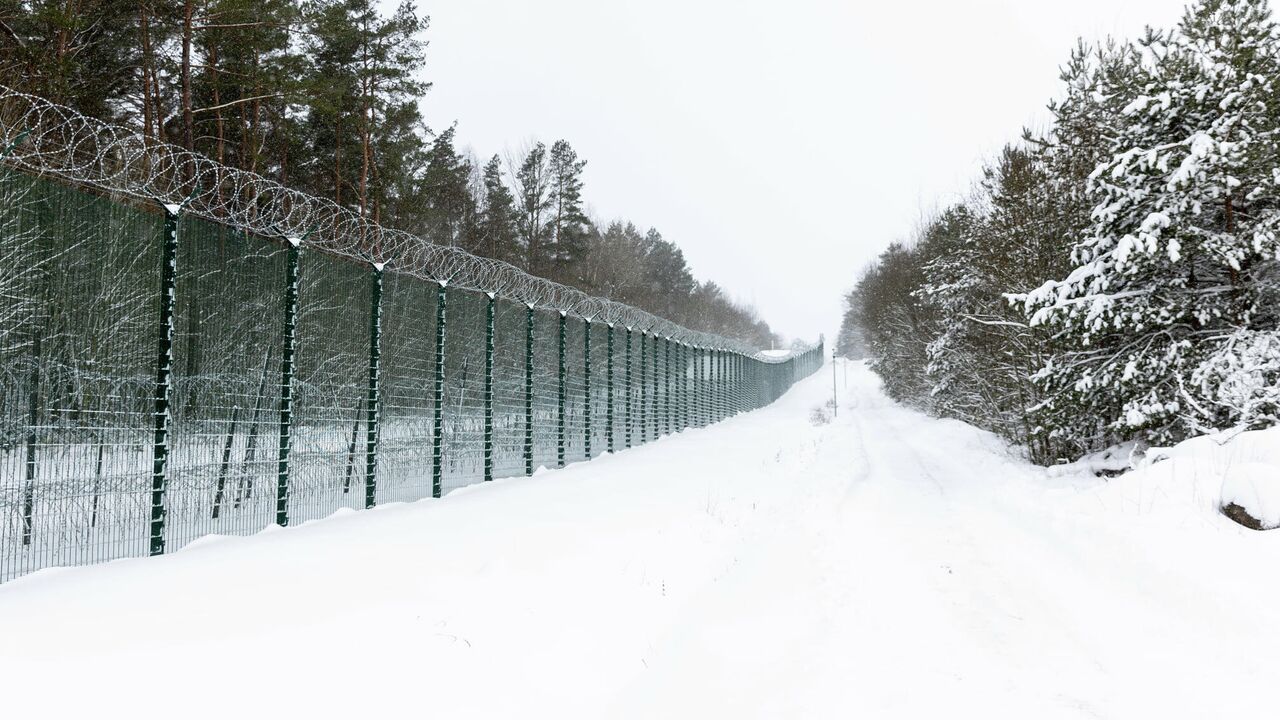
362	100
568	231
83	58
1168	279
245	82
497	221
533	195
445	193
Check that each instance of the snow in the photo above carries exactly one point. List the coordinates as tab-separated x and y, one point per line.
882	565
1111	460
1255	488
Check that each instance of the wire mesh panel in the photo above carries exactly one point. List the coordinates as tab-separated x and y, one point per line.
222	466
327	469
640	390
626	390
464	389
598	415
407	409
510	328
657	406
575	391
546	360
617	396
81	276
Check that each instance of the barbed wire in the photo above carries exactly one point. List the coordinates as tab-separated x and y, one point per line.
47	138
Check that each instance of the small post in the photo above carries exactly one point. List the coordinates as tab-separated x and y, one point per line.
437	396
33	422
560	414
351	448
586	387
628	383
488	386
286	380
528	391
224	468
609	383
371	399
164	386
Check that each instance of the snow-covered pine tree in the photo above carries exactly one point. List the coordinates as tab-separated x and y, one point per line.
1163	306
1067	420
952	291
898	326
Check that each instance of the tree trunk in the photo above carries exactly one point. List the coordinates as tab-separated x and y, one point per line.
144	31
188	129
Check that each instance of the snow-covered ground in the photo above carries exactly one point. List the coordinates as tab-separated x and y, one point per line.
882	565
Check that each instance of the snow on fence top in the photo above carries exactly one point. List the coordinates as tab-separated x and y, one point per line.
45	137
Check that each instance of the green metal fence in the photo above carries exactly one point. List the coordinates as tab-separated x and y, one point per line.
167	373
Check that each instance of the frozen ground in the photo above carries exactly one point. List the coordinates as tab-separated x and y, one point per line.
884	565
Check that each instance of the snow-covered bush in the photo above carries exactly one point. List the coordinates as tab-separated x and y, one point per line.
1240	380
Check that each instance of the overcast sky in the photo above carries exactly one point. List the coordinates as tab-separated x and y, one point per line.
781	145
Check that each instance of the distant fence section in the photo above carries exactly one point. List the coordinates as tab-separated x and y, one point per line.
187	349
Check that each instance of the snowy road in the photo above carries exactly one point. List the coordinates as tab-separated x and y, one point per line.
884	565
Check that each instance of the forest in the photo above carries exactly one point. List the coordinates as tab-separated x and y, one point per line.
323	96
1116	276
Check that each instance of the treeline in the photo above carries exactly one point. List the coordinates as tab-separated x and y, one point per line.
323	96
1117	276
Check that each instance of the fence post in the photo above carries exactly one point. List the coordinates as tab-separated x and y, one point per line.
371	401
528	391
560	416
628	382
164	386
286	381
488	386
586	387
437	420
609	383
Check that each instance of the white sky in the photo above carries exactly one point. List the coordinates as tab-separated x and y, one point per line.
781	145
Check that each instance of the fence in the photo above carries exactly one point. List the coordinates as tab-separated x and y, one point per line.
188	349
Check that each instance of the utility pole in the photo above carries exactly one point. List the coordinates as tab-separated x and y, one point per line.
835	400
